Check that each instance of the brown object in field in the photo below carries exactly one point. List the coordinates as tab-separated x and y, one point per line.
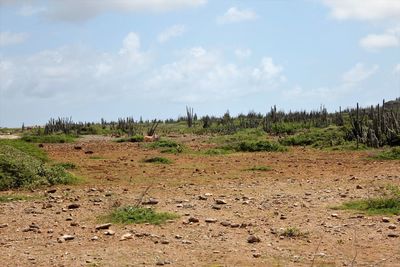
151	138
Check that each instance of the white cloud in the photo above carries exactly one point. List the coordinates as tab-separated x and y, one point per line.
29	10
379	41
78	10
396	69
243	53
10	38
359	73
234	14
171	32
268	70
364	9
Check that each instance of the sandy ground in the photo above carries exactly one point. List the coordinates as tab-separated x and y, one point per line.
299	192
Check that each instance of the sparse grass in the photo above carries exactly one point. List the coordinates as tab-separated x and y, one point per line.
293	232
96	157
66	165
132	139
217	151
138	215
388	203
259	168
161	160
392	154
11	198
167	146
56	138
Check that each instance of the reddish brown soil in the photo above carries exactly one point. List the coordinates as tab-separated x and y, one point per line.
299	192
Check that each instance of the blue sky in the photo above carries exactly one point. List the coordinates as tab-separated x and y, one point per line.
114	58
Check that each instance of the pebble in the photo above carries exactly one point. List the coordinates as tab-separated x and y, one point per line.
3	225
386	219
210	220
126	236
109	232
193	220
256	255
393	235
220	202
225	223
103	226
392	226
94	238
253	239
334	215
73	206
151	201
65	238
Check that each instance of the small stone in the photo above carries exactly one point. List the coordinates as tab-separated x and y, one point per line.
220	202
193	220
103	226
74	224
160	263
151	201
178	236
385	219
235	225
253	239
359	187
215	207
225	223
73	206
109	232
67	237
283	217
164	242
94	238
256	255
210	220
392	226
202	198
3	225
126	236
208	194
186	242
51	191
393	235
334	215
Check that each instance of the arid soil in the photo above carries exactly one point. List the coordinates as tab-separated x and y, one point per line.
299	192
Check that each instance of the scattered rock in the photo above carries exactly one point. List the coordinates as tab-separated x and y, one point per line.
256	255
359	187
225	223
193	220
392	226
109	232
94	238
187	242
253	239
215	207
393	235
220	202
202	198
65	238
385	219
126	236
73	206
164	242
103	226
51	191
77	147
151	201
210	220
3	225
335	215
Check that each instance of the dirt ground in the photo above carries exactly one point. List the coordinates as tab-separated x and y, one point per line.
299	192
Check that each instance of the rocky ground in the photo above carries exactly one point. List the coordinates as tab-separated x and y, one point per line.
228	216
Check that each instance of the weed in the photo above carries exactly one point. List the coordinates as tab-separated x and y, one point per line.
29	149
158	160
217	151
137	215
293	232
259	168
316	137
255	146
96	157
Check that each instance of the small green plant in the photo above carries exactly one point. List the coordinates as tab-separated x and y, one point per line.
293	232
158	160
96	157
392	154
30	149
216	151
388	203
11	198
138	215
55	138
132	139
259	168
66	165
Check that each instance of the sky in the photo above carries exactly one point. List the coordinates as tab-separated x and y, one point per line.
90	59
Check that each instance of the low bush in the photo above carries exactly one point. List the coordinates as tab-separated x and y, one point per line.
316	137
255	146
132	139
259	168
66	165
158	160
392	154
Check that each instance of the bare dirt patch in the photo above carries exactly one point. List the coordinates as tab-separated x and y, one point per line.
221	204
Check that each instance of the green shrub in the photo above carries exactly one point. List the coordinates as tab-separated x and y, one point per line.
66	165
56	138
137	215
293	232
316	137
19	169
164	144
158	160
132	139
216	151
255	146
